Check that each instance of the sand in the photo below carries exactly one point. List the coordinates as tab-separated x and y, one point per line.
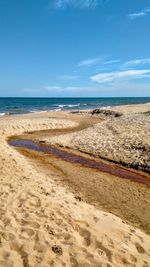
124	139
128	109
42	223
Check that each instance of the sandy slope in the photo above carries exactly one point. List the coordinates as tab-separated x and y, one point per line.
128	109
124	139
41	222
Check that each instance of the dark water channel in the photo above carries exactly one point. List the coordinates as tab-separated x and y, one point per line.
86	162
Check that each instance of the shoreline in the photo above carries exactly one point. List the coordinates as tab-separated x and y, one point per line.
123	107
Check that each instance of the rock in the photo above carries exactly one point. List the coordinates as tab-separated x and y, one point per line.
78	198
57	250
106	112
147	113
42	142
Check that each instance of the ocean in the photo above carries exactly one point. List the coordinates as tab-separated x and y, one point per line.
16	105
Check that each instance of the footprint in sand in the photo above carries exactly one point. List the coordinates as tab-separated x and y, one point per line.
32	224
139	248
8	236
27	233
86	236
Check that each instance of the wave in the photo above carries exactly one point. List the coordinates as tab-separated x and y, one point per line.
38	111
66	105
2	114
107	107
44	111
57	109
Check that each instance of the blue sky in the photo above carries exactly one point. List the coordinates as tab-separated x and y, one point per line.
74	48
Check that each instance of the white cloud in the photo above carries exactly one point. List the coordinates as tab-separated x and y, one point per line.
139	14
62	4
120	75
89	62
138	62
111	62
147	9
94	61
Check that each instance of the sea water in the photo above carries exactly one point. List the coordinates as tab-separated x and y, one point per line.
29	105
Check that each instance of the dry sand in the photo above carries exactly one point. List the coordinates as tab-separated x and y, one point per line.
128	109
42	223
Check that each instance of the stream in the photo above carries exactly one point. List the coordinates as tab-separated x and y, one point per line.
96	164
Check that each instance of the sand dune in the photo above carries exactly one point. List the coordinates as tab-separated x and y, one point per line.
42	224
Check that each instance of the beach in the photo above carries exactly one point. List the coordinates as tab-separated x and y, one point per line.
55	213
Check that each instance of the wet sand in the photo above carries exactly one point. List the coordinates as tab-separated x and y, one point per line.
92	163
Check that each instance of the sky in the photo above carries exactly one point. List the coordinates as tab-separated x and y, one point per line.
74	48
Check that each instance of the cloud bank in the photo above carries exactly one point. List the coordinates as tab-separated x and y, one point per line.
139	14
89	62
120	75
81	4
138	62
